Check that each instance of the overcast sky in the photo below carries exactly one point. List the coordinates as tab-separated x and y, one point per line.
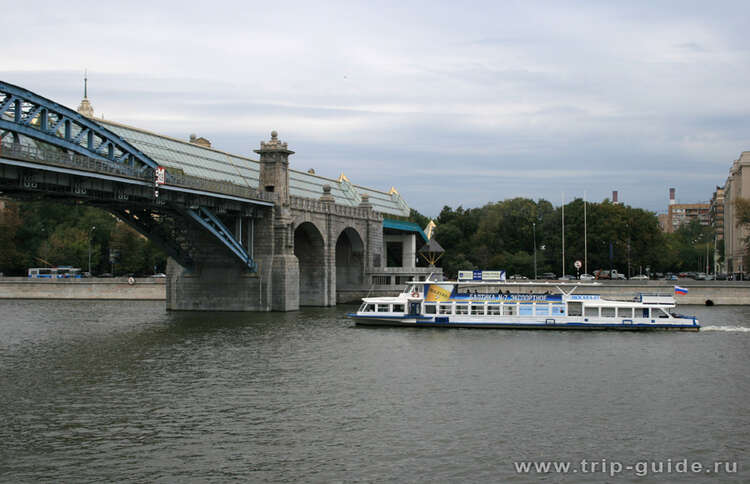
453	103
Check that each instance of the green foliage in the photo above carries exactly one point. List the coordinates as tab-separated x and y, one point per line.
41	233
418	218
501	236
11	259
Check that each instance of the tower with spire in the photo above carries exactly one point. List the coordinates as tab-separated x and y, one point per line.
85	107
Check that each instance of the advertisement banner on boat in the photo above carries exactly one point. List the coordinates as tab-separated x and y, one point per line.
438	292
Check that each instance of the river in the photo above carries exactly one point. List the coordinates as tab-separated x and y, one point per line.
124	391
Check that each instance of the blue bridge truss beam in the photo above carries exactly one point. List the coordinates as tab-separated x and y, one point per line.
210	222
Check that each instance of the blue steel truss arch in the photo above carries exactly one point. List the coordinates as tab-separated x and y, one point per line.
24	113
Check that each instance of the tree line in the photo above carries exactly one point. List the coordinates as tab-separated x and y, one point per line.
499	235
502	235
45	234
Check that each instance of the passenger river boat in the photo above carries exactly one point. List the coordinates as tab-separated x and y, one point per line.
479	304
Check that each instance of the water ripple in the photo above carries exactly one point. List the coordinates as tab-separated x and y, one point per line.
116	391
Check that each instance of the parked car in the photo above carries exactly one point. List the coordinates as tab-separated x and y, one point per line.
159	274
549	276
671	277
566	277
639	277
518	277
721	277
586	277
700	276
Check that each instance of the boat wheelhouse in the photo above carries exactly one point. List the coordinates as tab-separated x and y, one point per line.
512	305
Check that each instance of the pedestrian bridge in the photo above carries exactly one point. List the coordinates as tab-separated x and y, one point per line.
241	233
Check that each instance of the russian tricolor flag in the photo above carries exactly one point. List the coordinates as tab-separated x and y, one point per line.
680	290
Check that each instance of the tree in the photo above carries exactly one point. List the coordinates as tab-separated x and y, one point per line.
46	232
68	246
501	236
11	259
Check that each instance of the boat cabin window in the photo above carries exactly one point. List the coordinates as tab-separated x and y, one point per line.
542	309
445	309
525	309
430	308
591	312
558	310
608	312
398	308
509	309
369	308
382	308
462	309
659	313
625	313
477	309
575	309
494	309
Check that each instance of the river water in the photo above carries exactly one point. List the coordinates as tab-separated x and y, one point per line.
124	391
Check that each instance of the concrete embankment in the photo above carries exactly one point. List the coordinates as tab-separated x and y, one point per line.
147	288
150	288
699	292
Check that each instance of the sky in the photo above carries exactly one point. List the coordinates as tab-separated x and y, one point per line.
452	103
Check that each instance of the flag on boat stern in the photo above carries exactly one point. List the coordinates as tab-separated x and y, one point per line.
680	290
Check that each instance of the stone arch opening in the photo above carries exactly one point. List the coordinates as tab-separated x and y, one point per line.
309	249
350	260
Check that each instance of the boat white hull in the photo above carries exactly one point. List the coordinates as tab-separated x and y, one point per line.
553	324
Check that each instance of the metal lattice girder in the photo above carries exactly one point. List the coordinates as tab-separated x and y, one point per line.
25	113
163	232
211	223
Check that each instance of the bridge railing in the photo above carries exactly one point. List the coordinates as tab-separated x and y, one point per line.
313	205
70	160
18	151
217	186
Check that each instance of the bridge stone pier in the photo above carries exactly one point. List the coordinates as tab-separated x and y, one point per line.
304	248
241	234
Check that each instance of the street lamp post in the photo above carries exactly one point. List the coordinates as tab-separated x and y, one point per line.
91	230
708	269
533	228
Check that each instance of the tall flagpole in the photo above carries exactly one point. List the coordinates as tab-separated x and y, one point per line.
563	233
585	239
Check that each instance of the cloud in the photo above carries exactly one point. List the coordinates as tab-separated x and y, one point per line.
449	103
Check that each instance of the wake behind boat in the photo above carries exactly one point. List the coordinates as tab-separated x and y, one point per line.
479	304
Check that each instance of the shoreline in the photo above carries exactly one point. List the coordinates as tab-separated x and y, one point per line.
154	289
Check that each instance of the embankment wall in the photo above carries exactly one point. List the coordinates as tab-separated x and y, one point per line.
718	292
150	288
